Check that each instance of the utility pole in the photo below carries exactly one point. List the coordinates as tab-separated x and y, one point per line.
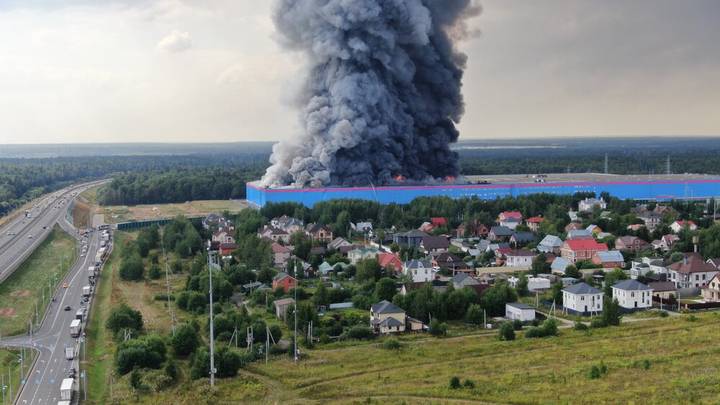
167	288
212	331
295	355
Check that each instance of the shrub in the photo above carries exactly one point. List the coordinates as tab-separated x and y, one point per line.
154	273
391	344
517	324
580	326
468	384
506	331
455	383
132	269
124	317
663	314
597	371
360	332
185	340
548	328
598	323
438	328
147	352
163	297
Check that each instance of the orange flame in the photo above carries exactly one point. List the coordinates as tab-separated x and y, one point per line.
450	179
400	178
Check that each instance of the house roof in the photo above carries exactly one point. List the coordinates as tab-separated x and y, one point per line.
438	221
684	223
560	264
501	231
463	278
579	234
325	267
520	252
278	248
715	262
387	259
581	288
551	241
519	305
281	276
417	264
341	305
535	220
692	264
283	301
631	285
585	244
523	236
338	242
661	286
510	214
435	242
390	322
315	228
610	256
414	233
386	307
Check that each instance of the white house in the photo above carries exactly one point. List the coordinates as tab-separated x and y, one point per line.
519	311
386	317
647	265
589	204
559	265
691	272
679	225
362	253
582	299
632	295
419	271
519	258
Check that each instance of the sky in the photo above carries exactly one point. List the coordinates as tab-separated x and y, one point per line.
212	71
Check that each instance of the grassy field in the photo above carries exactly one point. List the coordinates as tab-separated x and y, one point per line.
122	213
10	368
33	279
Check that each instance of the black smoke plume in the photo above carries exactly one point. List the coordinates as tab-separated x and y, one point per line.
382	95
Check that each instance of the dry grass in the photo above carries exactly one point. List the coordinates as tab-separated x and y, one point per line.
122	213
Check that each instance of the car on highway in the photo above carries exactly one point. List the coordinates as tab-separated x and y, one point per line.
67	308
30	236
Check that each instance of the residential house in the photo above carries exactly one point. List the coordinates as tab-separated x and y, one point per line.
362	253
589	204
284	281
691	272
318	251
711	292
462	280
282	306
337	243
211	220
281	254
550	244
594	229
519	311
511	223
472	229
451	263
319	232
715	262
419	270
386	317
411	238
610	259
538	284
630	244
632	295
651	219
436	285
519	258
582	299
390	262
665	243
679	225
288	224
573	226
439	222
226	249
500	233
579	234
647	265
510	214
521	238
362	227
434	244
534	223
274	234
663	289
325	268
222	236
581	249
559	265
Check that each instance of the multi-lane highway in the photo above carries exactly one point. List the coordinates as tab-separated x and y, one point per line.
42	382
20	237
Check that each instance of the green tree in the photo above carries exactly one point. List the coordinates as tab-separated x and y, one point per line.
132	268
124	317
611	314
474	314
185	340
506	331
385	289
368	270
572	271
540	265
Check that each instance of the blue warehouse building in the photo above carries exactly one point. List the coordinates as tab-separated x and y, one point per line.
657	188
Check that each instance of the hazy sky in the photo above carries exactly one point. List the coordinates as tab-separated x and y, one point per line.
209	70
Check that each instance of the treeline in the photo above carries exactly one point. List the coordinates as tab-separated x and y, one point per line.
179	185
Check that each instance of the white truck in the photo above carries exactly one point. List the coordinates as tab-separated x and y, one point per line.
63	403
80	314
86	291
75	328
69	352
91	272
66	389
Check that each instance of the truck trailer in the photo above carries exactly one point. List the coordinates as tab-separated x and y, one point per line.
75	328
86	291
69	352
66	389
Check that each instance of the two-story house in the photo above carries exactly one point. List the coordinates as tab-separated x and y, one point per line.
581	249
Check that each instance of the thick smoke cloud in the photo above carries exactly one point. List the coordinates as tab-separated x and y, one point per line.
382	95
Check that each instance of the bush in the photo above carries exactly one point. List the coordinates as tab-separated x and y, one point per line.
517	324
474	314
154	273
132	269
663	314
185	340
580	326
164	297
391	344
147	352
438	328
468	384
596	372
360	332
124	317
506	331
548	328
455	383
598	323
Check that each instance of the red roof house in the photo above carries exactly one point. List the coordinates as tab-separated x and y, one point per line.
284	281
534	223
581	249
510	214
390	262
438	222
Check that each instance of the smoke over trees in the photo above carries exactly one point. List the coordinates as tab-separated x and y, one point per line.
382	94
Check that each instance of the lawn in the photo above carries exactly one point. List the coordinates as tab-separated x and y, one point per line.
122	213
34	281
10	368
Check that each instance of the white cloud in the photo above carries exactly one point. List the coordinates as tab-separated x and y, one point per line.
176	41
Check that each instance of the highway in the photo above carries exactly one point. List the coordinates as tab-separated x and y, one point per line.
21	236
51	338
